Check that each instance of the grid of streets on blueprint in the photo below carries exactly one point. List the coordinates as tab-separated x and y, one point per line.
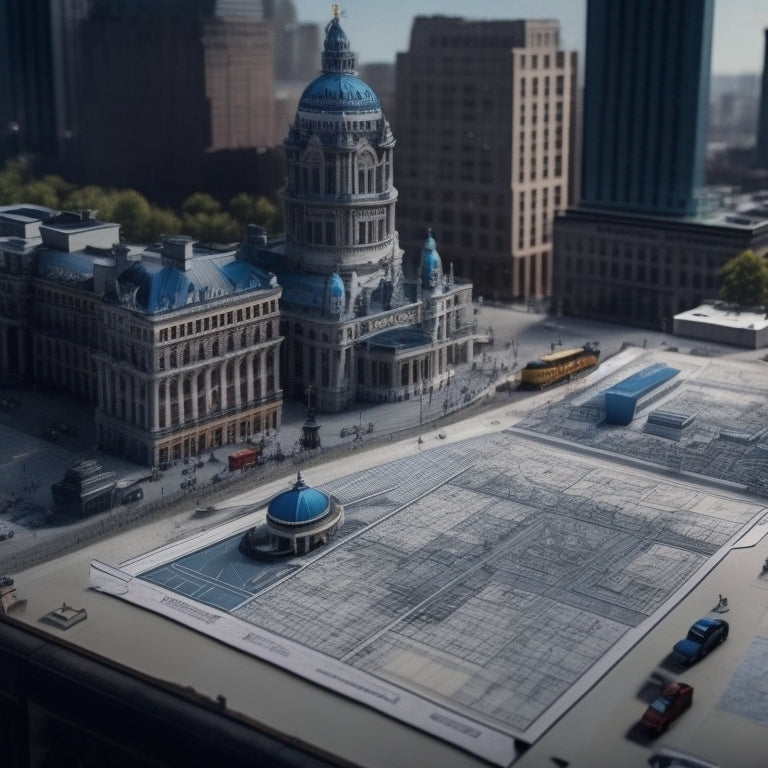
487	576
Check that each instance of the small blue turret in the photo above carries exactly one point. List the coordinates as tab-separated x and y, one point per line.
431	266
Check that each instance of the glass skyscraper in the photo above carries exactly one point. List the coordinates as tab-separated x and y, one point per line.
646	97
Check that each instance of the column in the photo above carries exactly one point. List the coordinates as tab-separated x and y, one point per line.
236	375
167	402
101	395
110	381
131	400
263	372
340	367
223	386
249	377
207	385
21	357
155	405
180	398
4	347
193	395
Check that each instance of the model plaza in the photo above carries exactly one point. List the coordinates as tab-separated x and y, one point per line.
477	589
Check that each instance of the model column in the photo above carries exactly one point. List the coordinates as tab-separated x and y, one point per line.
167	383
154	405
193	395
249	376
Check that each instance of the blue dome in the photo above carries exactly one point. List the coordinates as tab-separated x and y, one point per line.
299	506
339	92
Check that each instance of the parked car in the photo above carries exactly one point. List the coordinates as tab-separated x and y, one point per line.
702	637
674	700
6	532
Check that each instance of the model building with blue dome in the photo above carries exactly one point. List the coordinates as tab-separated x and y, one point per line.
355	327
298	521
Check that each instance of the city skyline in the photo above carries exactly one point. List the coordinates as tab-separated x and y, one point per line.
380	32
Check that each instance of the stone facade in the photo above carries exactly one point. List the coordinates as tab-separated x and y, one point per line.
355	327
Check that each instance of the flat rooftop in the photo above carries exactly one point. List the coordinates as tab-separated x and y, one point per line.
725	317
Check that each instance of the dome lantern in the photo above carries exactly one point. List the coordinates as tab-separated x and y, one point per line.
337	57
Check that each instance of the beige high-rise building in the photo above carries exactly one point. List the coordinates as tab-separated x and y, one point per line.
238	83
483	120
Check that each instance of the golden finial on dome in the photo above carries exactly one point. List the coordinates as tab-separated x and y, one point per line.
335	9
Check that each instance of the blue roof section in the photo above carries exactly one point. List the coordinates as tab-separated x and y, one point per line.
399	338
245	276
68	267
161	288
299	506
622	398
161	285
339	92
304	290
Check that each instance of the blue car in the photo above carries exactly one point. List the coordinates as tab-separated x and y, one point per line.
702	637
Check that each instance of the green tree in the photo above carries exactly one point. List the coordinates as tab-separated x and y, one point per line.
12	179
251	209
211	227
200	202
93	198
744	280
161	221
61	186
40	193
203	219
132	212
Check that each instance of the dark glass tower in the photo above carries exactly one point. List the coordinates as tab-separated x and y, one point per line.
762	125
38	49
646	96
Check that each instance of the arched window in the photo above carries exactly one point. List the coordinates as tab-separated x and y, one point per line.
366	171
313	164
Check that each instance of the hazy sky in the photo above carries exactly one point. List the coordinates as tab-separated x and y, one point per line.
378	29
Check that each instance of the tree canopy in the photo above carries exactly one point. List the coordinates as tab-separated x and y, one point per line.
744	280
201	216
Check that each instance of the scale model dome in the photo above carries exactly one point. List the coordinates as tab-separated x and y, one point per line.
298	506
338	89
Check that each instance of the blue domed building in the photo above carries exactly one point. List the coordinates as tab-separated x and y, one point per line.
298	521
355	327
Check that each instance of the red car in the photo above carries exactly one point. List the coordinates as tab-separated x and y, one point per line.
674	700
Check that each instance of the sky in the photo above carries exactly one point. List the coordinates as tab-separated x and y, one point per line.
378	29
